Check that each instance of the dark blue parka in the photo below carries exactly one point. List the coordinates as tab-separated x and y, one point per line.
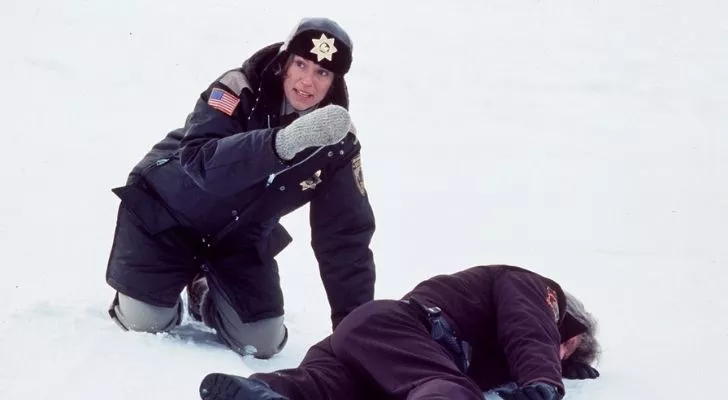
219	180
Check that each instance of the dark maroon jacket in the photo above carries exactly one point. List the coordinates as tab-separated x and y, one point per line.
514	319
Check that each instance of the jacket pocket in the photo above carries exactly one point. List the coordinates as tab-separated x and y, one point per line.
149	210
274	243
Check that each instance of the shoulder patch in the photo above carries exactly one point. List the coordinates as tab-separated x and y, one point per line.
222	100
235	81
358	174
552	300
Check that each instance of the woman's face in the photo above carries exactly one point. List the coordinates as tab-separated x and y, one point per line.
306	83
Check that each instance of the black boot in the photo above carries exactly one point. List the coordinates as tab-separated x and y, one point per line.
218	386
197	291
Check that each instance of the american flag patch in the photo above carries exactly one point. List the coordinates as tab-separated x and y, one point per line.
223	101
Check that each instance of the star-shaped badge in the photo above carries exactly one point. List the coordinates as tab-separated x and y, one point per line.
312	182
323	48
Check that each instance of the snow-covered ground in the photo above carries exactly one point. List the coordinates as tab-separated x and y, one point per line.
587	140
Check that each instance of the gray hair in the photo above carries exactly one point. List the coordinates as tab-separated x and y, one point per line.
589	350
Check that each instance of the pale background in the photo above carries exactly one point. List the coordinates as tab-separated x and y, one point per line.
584	139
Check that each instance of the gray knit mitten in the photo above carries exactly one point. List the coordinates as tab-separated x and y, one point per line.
320	127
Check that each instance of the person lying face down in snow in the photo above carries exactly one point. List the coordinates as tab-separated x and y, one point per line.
453	336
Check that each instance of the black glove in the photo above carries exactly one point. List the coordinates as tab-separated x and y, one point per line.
534	391
578	370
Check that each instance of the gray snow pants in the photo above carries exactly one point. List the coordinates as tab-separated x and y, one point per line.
262	338
149	272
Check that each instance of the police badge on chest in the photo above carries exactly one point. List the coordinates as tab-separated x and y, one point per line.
312	182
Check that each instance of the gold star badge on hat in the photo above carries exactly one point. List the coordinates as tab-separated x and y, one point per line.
323	48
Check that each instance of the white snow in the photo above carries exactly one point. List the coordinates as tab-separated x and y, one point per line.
584	139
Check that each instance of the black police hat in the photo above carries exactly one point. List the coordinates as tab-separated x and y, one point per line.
323	41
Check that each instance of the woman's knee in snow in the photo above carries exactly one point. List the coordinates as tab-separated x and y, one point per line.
262	339
135	315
